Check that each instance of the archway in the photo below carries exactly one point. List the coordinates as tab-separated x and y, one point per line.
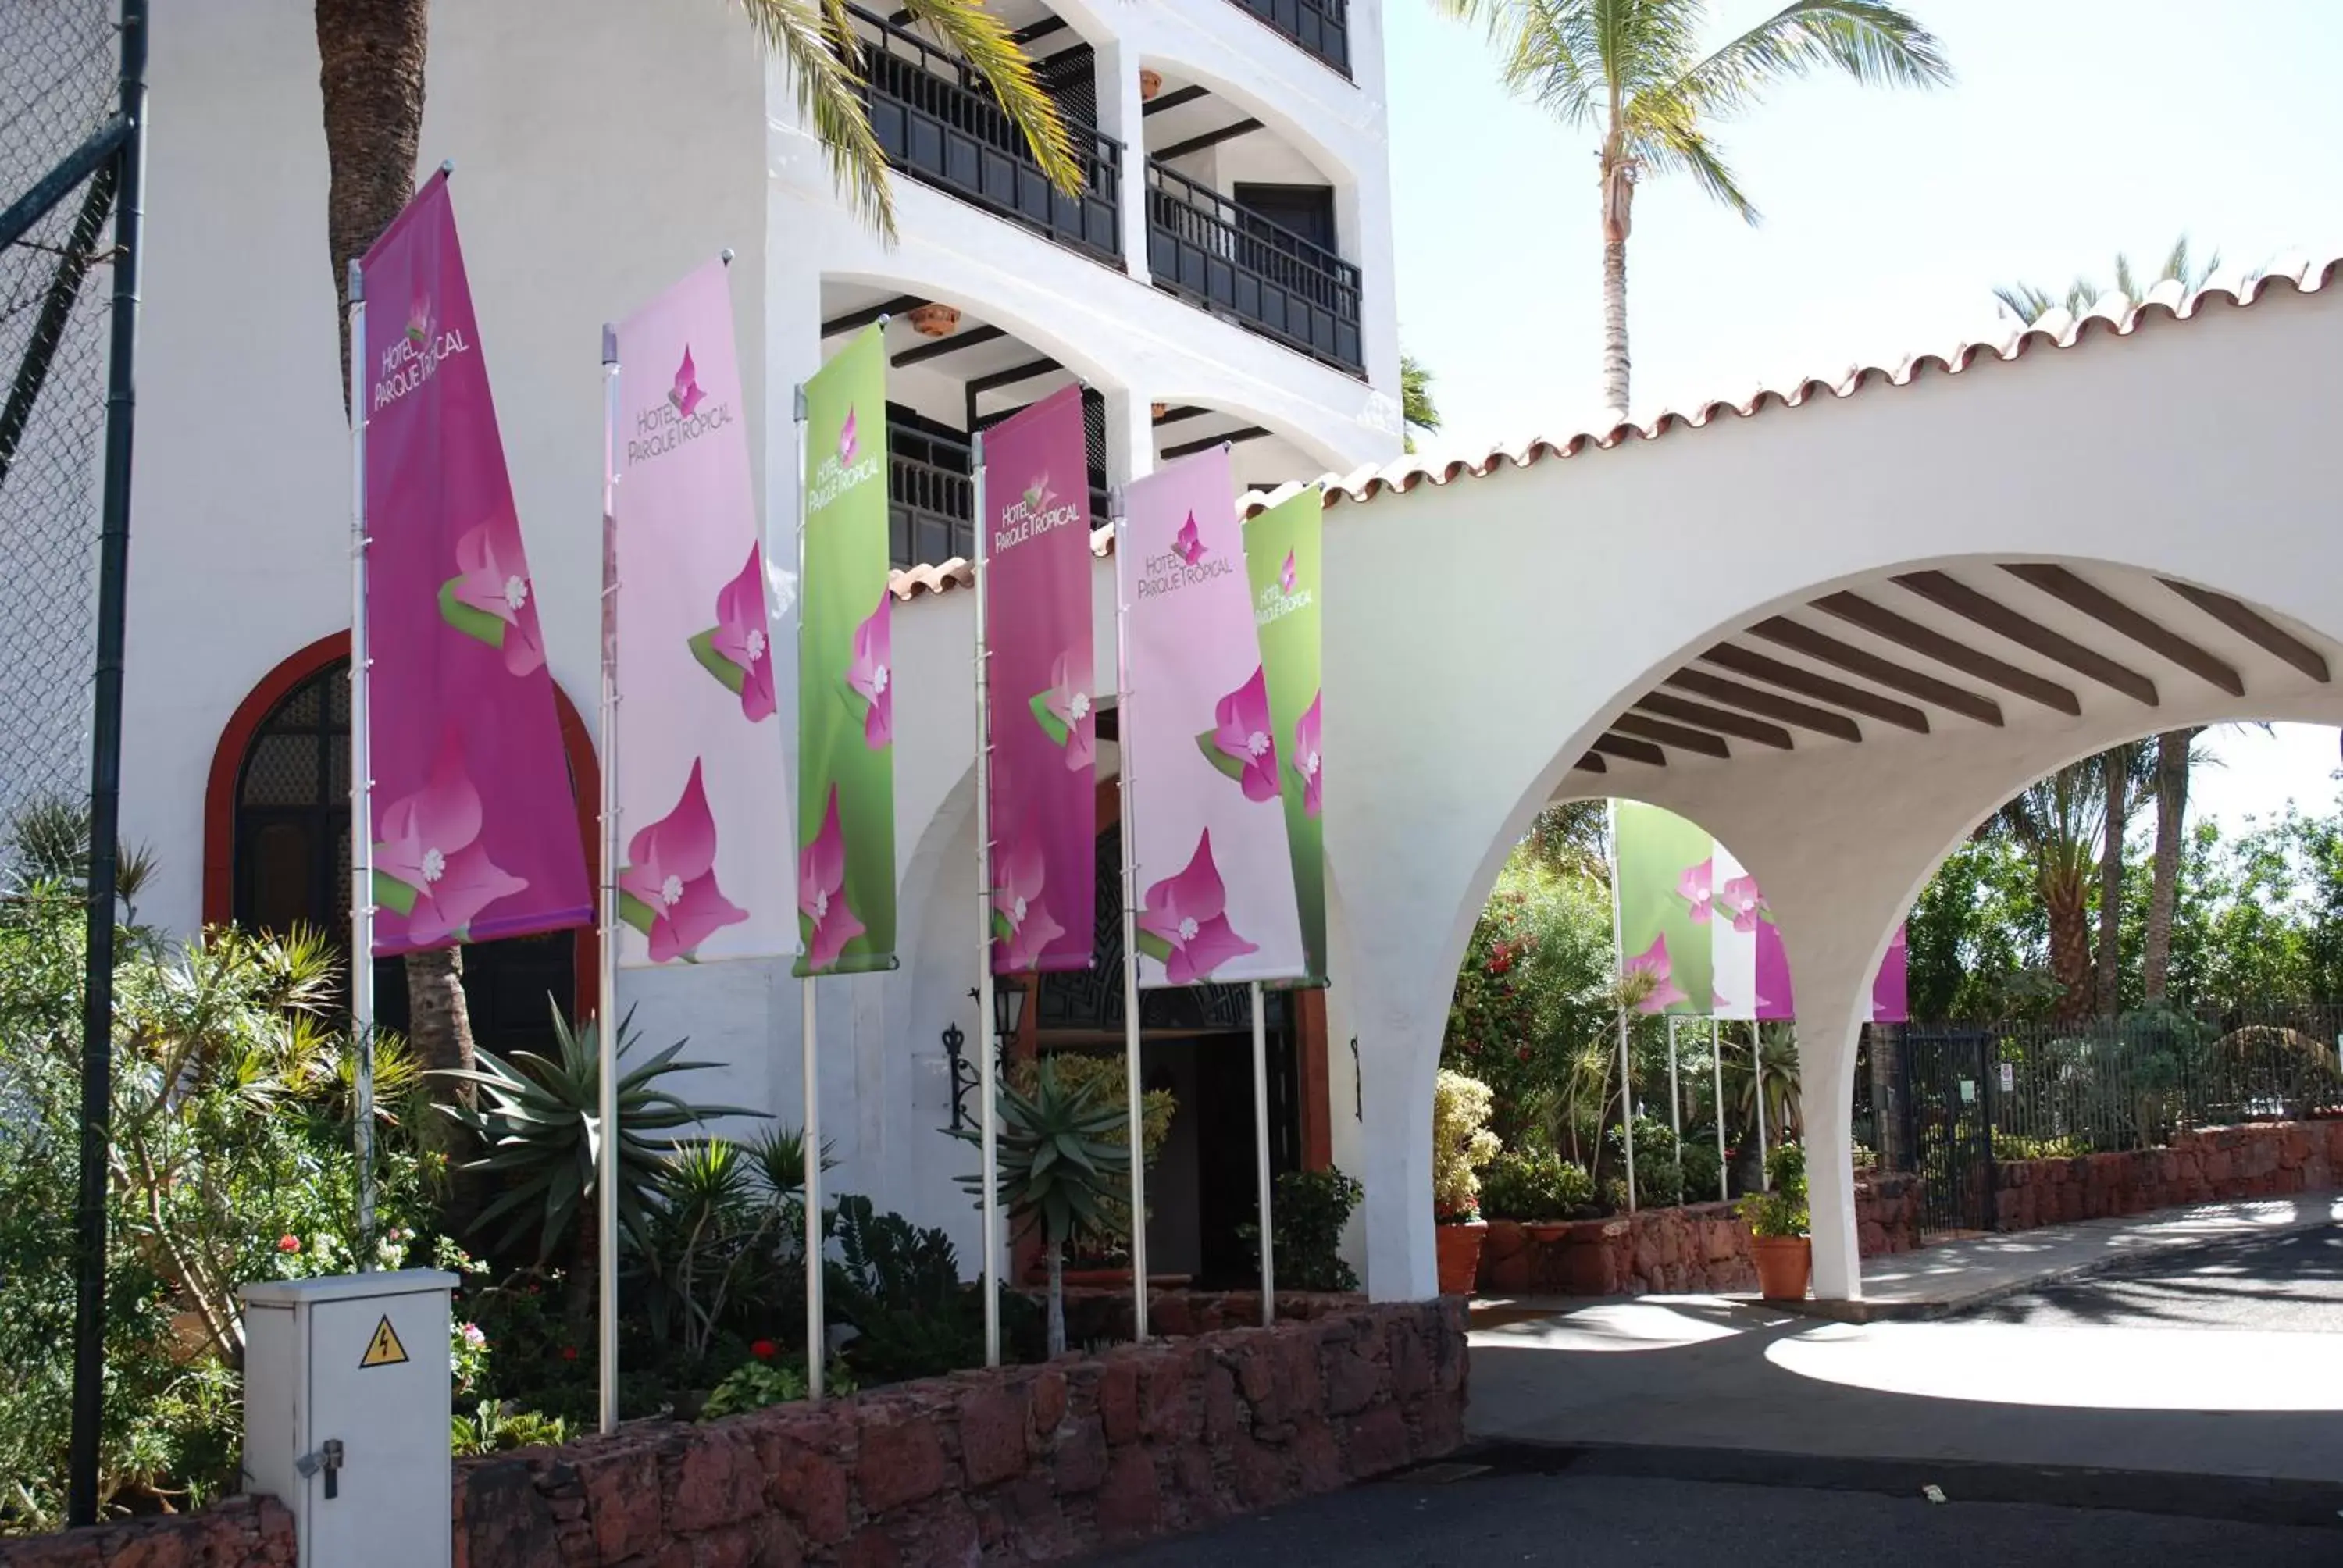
276	846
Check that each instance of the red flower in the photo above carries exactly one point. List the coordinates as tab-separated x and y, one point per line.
570	1353
1523	1052
763	1349
288	1242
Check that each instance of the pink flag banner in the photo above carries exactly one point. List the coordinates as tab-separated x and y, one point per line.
704	849
475	826
1215	878
1042	678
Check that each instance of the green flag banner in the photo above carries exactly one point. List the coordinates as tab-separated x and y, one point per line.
1662	871
1282	564
846	699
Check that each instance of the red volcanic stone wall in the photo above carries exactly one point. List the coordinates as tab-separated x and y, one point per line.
2260	1160
1028	1463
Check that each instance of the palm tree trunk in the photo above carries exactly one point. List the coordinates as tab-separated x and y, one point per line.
370	56
2070	947
2115	773
439	1028
2164	877
1614	325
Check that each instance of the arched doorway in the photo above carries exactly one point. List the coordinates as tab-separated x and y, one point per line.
277	849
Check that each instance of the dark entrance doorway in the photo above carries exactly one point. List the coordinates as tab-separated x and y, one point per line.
1197	1042
1947	1102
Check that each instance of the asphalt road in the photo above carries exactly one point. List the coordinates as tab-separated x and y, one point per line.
1692	1437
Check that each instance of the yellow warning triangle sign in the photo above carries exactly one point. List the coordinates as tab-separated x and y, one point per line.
383	1350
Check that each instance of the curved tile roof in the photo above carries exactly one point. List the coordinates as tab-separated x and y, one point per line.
2112	316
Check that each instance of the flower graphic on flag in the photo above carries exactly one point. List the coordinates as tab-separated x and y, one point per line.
1694	889
429	864
737	650
1038	495
685	395
1306	759
418	322
829	924
490	599
850	445
1743	903
1065	712
1185	926
1190	545
667	890
1286	574
1023	926
1243	744
870	675
1653	962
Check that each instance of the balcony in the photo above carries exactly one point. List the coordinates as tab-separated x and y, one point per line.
1206	249
937	123
1320	28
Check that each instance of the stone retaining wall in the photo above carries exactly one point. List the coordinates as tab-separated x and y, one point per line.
1029	1464
2260	1160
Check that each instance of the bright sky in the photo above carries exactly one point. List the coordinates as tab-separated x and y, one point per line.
2077	128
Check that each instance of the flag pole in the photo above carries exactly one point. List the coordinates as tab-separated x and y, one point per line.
1757	1086
989	1055
1717	1071
361	789
1261	1154
1675	1100
1619	945
606	979
817	1339
1134	1106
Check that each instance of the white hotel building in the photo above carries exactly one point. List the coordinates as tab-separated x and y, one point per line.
1225	274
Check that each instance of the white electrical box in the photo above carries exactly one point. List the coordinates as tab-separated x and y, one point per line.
346	1415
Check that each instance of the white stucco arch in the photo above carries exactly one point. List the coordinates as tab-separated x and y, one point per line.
936	283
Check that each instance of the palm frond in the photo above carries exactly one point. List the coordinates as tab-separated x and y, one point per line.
2027	302
819	49
1669	141
1876	43
985	42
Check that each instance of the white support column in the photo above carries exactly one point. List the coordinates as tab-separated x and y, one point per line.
1118	110
1130	435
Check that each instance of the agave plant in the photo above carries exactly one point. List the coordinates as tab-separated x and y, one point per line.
1060	1165
538	1120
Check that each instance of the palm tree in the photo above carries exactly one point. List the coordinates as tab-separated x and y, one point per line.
2174	748
1417	411
371	58
1631	71
2060	821
2125	774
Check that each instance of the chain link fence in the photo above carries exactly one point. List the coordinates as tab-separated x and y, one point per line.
59	74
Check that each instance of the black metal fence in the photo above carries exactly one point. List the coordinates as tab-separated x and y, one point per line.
1318	27
1203	247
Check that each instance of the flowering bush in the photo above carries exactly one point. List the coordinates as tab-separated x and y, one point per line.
1536	1186
1461	1142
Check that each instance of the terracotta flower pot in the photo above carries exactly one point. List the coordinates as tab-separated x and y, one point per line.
1460	1256
935	320
1783	1264
1150	84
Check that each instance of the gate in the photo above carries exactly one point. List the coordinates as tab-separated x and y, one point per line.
1947	1105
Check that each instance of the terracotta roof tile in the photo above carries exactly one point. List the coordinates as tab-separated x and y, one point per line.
2112	316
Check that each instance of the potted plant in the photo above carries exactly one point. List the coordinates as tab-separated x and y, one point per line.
1778	1228
1461	1141
1103	1259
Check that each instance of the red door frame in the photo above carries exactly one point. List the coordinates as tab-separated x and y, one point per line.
235	741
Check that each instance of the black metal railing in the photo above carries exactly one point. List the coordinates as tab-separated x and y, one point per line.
1320	28
936	122
931	500
1204	248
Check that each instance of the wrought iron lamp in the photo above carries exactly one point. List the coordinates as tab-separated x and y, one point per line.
1008	1012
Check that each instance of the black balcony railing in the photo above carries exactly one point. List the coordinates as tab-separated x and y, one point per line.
1204	248
931	500
1319	27
937	123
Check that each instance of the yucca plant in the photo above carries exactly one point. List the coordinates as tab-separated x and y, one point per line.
1060	1165
538	1120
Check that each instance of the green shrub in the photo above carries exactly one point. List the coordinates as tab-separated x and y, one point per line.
1659	1173
1311	1209
1782	1210
1461	1143
754	1384
1536	1186
1697	1159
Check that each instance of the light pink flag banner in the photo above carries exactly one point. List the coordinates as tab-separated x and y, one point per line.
475	826
1215	878
705	859
1037	589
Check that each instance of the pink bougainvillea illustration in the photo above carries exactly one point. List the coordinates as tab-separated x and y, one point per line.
829	924
1186	918
871	673
1285	573
1694	888
850	445
1306	759
1068	701
669	882
686	394
741	641
1741	902
429	864
1023	926
1188	543
1653	962
418	322
1244	739
489	597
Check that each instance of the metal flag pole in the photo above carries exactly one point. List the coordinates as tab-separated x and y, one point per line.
1717	1071
361	787
606	1005
817	1336
1757	1084
989	1055
1134	1108
1261	1154
1675	1100
1619	945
